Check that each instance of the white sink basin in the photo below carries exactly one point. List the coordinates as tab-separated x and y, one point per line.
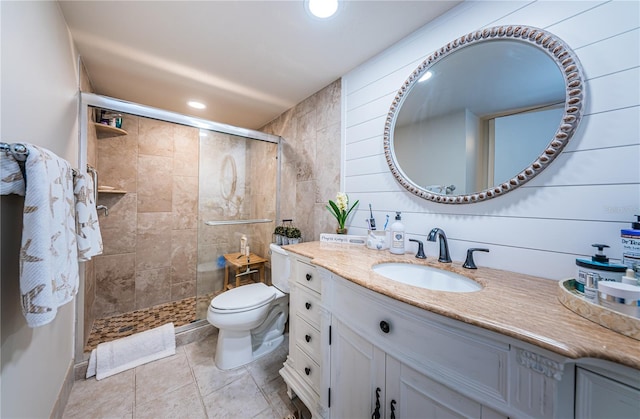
426	277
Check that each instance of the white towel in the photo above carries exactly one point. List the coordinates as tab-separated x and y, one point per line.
49	254
87	228
119	355
11	181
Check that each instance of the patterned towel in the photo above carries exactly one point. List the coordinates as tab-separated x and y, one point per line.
87	228
11	181
49	255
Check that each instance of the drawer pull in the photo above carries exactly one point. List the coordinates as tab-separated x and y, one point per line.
376	412
307	338
308	277
307	370
307	305
384	326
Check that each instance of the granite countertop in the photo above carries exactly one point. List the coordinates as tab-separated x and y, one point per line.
517	305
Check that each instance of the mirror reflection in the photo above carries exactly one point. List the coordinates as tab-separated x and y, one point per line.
479	117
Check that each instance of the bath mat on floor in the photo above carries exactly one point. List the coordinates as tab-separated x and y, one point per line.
110	358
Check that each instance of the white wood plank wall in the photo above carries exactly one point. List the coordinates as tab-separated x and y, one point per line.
586	196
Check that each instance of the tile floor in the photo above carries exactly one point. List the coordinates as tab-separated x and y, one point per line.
187	385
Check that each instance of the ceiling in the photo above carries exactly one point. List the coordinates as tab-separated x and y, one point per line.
248	61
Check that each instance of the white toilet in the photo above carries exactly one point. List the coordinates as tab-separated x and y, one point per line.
251	318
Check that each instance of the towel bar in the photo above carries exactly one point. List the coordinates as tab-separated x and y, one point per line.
20	153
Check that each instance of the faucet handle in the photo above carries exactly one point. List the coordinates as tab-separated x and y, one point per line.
420	254
469	263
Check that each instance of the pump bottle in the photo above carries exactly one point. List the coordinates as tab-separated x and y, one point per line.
397	236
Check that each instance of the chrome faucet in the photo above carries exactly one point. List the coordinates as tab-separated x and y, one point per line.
444	246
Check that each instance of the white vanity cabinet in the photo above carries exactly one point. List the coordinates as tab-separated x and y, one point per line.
356	353
368	383
306	364
384	357
600	396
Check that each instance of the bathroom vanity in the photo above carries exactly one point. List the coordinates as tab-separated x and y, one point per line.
362	345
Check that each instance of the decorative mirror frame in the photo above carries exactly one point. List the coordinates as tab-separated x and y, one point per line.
571	71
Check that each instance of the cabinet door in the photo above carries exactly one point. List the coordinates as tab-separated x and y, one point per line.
418	396
357	369
601	397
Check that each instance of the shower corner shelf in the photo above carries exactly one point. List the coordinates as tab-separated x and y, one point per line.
106	131
112	191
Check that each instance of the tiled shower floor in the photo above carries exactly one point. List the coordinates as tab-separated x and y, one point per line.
179	312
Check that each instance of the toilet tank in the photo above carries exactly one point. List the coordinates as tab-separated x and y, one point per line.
280	268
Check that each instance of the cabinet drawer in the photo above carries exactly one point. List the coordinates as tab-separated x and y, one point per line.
308	369
468	359
306	305
308	338
306	275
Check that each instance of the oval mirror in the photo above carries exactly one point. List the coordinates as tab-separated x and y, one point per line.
484	114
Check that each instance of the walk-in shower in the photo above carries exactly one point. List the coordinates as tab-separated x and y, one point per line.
180	193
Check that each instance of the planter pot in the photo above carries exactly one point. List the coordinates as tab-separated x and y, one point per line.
294	240
341	230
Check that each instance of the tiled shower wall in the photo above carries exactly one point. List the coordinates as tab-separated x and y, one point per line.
311	160
150	234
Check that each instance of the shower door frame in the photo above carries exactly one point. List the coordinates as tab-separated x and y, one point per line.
91	99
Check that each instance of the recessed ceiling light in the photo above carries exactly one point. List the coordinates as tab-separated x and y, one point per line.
322	8
196	105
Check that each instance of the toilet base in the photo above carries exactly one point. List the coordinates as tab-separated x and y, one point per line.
233	349
236	348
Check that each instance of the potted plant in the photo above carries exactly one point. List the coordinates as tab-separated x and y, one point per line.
341	210
278	234
294	235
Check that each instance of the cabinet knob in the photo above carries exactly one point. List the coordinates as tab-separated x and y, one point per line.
307	305
384	326
307	338
308	277
307	370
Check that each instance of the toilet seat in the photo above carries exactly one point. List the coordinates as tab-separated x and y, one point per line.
244	298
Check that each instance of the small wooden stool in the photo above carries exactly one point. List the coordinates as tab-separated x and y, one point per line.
240	263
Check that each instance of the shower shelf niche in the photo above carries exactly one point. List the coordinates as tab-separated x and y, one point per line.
107	131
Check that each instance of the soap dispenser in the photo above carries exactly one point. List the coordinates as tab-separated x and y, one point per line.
397	236
599	266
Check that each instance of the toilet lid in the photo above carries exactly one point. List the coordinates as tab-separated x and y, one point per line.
244	297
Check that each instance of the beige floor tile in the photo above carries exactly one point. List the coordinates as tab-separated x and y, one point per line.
183	402
266	414
187	385
209	377
162	377
275	392
240	399
266	368
112	397
202	351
